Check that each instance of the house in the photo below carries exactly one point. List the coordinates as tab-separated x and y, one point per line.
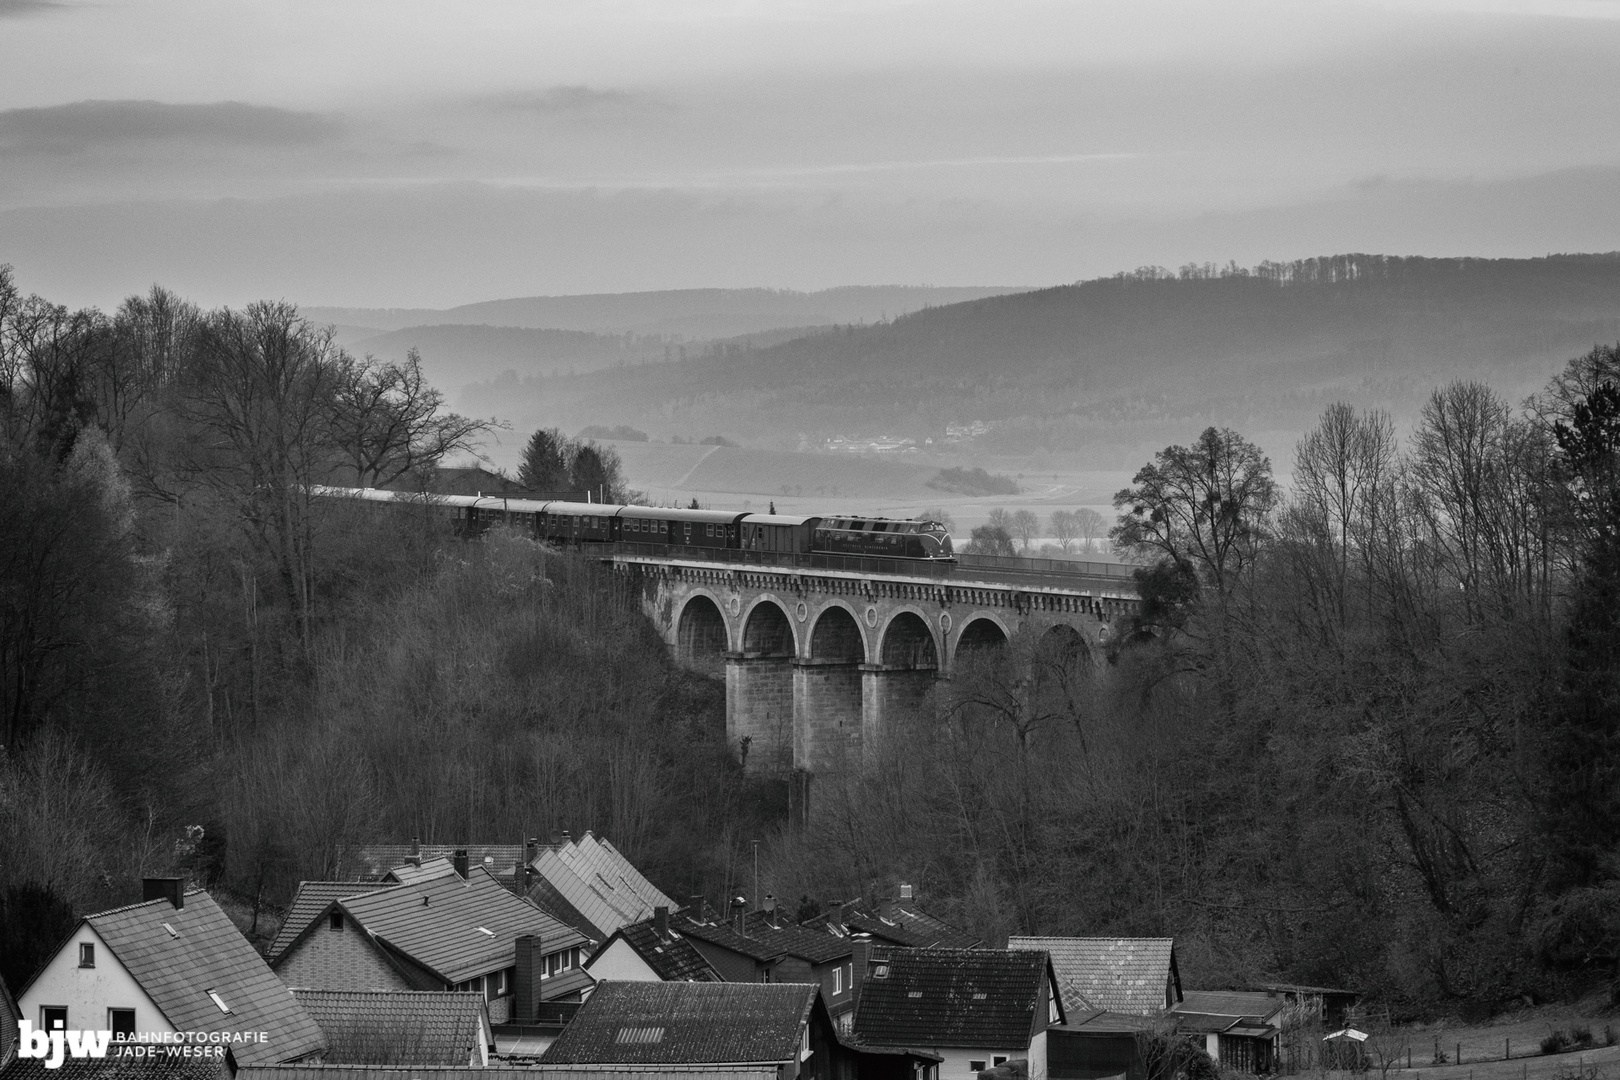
312	898
401	1027
438	930
174	962
378	862
1331	1005
1098	1045
1240	1028
589	885
783	1026
974	1008
759	946
503	1072
1137	976
892	922
8	1024
650	951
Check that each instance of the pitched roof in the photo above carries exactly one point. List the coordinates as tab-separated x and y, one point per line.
672	958
900	922
188	959
546	897
1229	1004
375	860
409	1027
765	938
410	873
311	899
1126	975
987	998
113	1067
454	928
1103	1022
687	1023
601	884
502	1072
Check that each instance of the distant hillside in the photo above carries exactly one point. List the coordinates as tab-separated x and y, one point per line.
684	313
454	355
1113	368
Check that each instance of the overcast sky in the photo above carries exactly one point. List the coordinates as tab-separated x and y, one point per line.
402	154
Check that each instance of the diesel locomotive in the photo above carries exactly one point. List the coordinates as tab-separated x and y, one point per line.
675	529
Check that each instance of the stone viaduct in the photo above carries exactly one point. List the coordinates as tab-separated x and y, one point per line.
817	662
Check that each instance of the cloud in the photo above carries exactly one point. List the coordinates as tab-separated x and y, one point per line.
26	7
567	101
90	125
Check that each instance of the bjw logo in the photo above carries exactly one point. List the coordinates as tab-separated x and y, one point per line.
56	1044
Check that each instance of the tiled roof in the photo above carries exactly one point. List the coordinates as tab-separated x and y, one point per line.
205	956
565	983
673	959
407	1027
455	928
410	873
899	922
500	1072
765	937
1126	975
312	898
687	1023
120	1068
600	883
545	896
986	998
1102	1022
375	860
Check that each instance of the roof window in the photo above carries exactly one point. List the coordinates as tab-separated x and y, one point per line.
217	1000
172	931
484	930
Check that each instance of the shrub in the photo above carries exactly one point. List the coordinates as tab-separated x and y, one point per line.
1555	1043
1580	1035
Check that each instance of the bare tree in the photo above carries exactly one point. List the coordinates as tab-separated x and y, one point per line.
387	421
1065	528
1025	526
1092	526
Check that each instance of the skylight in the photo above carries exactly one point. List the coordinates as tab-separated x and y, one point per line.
642	1036
224	1008
172	931
482	930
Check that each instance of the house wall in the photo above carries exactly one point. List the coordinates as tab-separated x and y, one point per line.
732	966
328	959
89	992
620	962
955	1065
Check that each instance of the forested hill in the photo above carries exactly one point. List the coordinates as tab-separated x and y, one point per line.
689	313
1120	365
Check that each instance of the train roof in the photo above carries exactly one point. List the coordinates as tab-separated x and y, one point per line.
593	509
511	506
778	519
368	494
675	513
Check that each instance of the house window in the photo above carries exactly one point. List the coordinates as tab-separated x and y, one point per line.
335	920
52	1017
87	955
999	1060
976	1066
121	1022
838	980
1052	1008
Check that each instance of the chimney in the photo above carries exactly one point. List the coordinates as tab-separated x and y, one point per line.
739	915
905	892
172	889
661	922
415	857
694	910
859	959
460	862
531	964
567	837
531	850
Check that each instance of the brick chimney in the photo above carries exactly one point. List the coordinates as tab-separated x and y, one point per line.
694	910
531	964
460	862
661	922
739	915
860	957
172	889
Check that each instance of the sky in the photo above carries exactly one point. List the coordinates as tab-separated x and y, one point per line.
401	153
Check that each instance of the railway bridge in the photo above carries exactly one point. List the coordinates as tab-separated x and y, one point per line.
820	654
